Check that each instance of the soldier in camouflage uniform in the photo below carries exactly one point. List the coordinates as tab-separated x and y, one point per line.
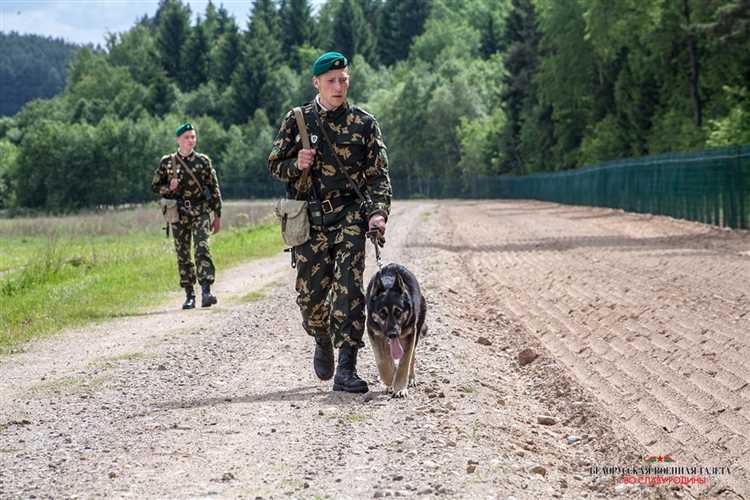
330	266
197	197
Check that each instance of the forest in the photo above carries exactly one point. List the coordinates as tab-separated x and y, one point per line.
31	67
461	88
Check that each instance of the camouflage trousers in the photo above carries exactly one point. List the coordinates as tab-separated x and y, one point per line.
196	228
330	270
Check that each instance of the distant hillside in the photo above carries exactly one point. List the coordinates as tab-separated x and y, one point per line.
31	67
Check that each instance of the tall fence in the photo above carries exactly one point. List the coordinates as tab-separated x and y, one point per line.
712	186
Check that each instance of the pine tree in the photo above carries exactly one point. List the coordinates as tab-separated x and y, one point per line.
227	54
224	21
161	95
387	33
264	29
173	30
521	41
260	54
352	35
297	27
195	55
491	37
211	24
400	21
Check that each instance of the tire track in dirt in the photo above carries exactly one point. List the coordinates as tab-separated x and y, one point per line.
624	349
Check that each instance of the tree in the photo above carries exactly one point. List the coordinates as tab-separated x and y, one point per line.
265	13
161	95
173	31
195	53
252	74
521	40
297	28
31	67
399	23
226	54
213	25
569	93
352	34
8	173
245	159
135	50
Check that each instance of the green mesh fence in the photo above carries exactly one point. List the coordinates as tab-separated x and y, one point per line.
711	186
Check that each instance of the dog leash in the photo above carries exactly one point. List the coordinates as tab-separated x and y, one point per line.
377	241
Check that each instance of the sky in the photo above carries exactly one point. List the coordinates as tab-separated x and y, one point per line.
88	21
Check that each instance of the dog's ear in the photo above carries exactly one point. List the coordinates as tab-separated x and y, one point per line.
379	286
400	283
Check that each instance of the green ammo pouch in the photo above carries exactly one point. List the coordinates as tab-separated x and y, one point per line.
169	210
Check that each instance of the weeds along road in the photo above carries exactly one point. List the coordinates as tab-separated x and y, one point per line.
640	325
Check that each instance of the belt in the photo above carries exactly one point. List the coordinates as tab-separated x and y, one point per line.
188	203
329	205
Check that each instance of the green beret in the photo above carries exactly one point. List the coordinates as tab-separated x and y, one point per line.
329	61
183	128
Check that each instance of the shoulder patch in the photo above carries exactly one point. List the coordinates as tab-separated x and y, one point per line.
165	157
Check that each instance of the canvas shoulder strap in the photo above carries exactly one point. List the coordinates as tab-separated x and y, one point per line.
305	137
189	171
302	127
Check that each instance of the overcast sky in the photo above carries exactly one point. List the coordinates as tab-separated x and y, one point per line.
87	21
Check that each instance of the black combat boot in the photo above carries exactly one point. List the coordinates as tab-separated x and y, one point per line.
189	299
207	298
323	357
346	378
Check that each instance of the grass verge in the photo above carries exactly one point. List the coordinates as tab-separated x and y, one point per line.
73	281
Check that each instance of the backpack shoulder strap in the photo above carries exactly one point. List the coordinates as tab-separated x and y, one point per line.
302	127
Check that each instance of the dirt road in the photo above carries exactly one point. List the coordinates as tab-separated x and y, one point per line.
640	324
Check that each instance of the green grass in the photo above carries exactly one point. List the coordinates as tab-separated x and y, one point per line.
68	385
253	296
355	419
55	282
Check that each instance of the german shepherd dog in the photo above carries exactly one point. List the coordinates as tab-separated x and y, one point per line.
396	314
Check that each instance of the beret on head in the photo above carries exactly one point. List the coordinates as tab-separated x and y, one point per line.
183	128
329	61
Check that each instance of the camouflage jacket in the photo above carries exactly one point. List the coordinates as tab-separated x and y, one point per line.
359	144
187	189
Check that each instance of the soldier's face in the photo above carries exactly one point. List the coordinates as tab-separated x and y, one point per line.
187	141
333	86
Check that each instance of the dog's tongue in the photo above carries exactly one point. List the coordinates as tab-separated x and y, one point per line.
396	350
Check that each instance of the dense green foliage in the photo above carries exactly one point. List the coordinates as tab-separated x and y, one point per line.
461	88
31	67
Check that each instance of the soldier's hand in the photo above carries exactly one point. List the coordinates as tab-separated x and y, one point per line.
377	221
173	184
305	159
216	225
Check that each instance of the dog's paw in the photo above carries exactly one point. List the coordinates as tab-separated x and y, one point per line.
400	393
412	382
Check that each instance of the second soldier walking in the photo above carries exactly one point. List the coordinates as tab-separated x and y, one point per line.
189	178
